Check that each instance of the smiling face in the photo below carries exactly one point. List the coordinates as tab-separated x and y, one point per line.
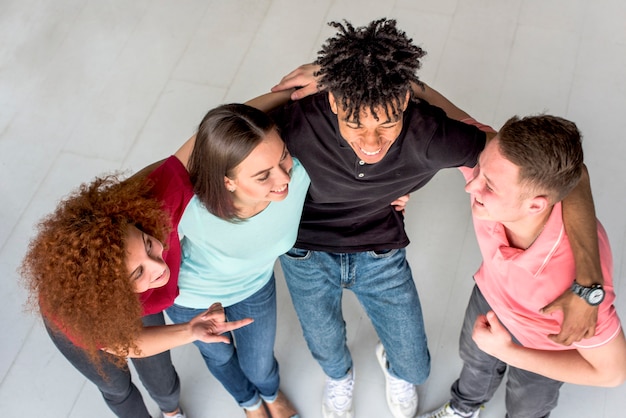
496	193
369	138
262	177
144	261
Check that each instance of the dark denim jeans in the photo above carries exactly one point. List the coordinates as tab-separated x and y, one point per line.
120	394
383	284
248	369
528	395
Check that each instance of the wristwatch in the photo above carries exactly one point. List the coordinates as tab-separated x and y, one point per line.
593	295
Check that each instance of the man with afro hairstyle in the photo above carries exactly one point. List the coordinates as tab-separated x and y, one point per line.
364	142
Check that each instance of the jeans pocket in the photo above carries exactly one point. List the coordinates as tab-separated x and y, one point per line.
298	254
383	253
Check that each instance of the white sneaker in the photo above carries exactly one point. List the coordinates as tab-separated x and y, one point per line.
337	402
446	411
401	395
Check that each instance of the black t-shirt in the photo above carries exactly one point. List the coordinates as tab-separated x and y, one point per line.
347	208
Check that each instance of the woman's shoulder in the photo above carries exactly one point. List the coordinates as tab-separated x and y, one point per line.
299	174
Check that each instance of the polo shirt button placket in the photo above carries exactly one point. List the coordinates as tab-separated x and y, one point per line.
361	175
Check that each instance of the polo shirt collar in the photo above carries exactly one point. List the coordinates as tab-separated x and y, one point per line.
535	258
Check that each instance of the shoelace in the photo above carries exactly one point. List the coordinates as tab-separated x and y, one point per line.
340	392
445	412
402	391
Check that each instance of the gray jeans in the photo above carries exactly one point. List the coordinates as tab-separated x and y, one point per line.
528	395
120	394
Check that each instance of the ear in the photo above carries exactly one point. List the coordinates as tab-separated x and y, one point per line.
230	184
538	205
332	102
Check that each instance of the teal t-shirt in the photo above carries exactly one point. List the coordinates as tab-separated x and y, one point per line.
227	262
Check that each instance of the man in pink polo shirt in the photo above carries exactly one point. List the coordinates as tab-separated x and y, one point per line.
516	189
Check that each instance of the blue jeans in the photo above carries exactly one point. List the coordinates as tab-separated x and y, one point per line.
120	394
249	370
528	395
383	284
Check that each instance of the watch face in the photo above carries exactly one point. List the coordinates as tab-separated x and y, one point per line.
596	296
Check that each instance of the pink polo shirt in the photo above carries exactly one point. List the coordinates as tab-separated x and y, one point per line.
518	283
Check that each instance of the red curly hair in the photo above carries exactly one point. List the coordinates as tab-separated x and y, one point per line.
75	267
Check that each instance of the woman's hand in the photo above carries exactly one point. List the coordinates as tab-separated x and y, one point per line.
209	326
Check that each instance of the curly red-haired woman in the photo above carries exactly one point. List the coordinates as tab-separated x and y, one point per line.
101	269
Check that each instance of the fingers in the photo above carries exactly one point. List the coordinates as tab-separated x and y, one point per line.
570	334
302	88
230	326
402	200
307	90
218	339
217	306
579	318
492	319
558	304
487	322
215	309
216	316
568	337
563	339
297	78
213	332
481	323
285	84
549	308
302	79
400	203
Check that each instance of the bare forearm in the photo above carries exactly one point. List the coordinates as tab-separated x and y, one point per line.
145	172
601	365
269	101
184	152
579	217
209	326
435	98
566	366
157	339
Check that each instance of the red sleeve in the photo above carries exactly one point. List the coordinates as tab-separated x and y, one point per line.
173	187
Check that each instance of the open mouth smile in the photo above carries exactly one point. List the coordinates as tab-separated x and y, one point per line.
371	153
